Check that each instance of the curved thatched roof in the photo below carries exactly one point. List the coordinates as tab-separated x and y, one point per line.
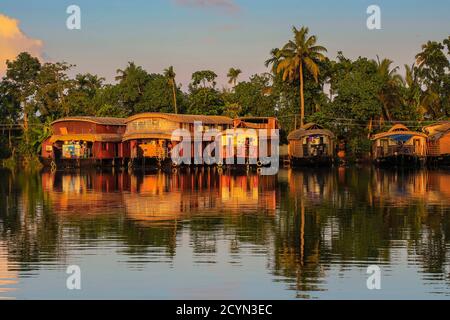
398	130
183	118
310	129
437	130
107	121
254	122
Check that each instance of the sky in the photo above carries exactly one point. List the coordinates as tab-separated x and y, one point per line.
196	35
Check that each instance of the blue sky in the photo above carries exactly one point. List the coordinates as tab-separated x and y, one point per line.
218	34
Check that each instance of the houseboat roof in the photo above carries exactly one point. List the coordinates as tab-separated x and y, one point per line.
437	130
254	122
103	137
398	132
309	129
183	118
255	119
107	121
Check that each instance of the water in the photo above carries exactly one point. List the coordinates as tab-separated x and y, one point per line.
307	234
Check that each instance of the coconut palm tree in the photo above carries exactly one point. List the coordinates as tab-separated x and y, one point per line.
389	94
233	75
274	59
298	54
170	74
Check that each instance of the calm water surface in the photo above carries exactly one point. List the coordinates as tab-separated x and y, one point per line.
304	234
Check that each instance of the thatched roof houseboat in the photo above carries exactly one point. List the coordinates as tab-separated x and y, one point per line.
311	145
399	146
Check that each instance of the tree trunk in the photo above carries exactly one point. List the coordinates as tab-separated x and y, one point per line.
174	92
25	124
302	98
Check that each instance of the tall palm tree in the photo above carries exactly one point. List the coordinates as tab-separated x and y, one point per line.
233	75
389	95
170	74
297	54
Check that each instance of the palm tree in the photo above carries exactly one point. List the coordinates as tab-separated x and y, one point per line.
274	59
389	94
122	74
233	75
170	74
132	72
424	56
302	52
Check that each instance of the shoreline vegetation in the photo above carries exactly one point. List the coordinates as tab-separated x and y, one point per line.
354	99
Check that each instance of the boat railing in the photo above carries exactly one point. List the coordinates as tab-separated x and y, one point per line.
395	150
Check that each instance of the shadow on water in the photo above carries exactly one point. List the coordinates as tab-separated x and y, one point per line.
312	227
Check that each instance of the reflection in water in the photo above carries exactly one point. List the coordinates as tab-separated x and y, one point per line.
198	234
8	277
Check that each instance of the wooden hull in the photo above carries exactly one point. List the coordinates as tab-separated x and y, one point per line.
311	161
400	161
443	160
149	163
82	163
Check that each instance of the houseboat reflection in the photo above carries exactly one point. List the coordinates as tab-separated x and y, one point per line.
162	197
84	193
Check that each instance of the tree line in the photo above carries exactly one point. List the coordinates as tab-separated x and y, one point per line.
353	98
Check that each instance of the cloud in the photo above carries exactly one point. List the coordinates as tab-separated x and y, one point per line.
13	41
228	6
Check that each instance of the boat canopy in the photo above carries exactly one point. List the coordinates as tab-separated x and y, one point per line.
183	118
106	121
399	132
437	130
310	129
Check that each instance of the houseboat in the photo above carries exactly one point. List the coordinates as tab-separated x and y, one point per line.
438	143
399	147
249	136
83	142
311	145
151	140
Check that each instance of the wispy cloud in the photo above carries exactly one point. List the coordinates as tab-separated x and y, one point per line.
228	6
13	41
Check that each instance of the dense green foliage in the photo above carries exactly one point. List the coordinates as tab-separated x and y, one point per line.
354	98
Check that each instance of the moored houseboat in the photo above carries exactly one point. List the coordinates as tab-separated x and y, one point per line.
251	134
311	145
438	143
83	142
399	146
151	140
